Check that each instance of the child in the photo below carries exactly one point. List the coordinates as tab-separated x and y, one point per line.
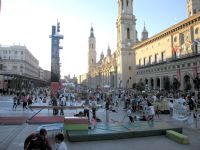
60	142
93	122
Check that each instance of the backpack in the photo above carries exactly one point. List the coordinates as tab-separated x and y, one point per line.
37	143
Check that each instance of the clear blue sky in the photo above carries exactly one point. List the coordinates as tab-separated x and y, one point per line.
29	22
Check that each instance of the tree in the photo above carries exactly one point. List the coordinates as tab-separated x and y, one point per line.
188	86
140	86
176	84
196	82
166	83
134	86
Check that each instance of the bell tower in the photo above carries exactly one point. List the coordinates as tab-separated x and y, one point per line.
193	7
126	37
92	51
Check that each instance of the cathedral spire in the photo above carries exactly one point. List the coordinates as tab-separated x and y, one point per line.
102	55
144	34
91	32
109	50
193	7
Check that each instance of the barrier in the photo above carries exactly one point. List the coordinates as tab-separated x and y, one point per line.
178	137
75	123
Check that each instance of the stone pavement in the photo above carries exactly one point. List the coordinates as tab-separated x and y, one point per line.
12	136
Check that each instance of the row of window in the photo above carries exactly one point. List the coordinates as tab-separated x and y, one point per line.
10	57
10	52
166	68
149	59
184	36
4	67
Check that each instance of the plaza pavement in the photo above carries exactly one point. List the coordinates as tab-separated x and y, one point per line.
12	136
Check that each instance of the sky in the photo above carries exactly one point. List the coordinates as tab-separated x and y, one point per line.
29	22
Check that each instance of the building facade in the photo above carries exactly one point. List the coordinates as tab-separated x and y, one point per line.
18	60
18	67
173	54
168	58
44	75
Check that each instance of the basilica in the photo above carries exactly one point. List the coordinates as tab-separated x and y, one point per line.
169	59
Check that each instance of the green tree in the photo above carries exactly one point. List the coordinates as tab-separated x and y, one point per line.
166	83
140	86
176	84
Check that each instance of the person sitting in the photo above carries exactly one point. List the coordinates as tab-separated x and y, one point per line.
37	141
93	122
143	117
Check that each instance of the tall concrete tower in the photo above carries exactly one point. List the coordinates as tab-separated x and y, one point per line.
55	52
92	51
193	7
126	37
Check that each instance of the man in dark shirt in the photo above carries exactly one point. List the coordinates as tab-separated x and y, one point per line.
37	141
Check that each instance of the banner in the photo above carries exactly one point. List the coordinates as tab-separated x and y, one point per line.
194	71
178	73
176	48
55	86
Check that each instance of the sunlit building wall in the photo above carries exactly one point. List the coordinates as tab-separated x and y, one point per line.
17	59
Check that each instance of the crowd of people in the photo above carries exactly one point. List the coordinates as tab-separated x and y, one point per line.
138	106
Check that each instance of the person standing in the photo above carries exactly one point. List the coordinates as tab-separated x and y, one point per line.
171	108
62	103
24	101
151	111
129	114
14	102
86	106
94	107
54	103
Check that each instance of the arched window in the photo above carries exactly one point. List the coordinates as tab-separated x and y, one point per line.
196	31
122	2
126	3
128	33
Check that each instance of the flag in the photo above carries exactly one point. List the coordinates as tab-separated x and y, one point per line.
188	42
176	48
195	41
